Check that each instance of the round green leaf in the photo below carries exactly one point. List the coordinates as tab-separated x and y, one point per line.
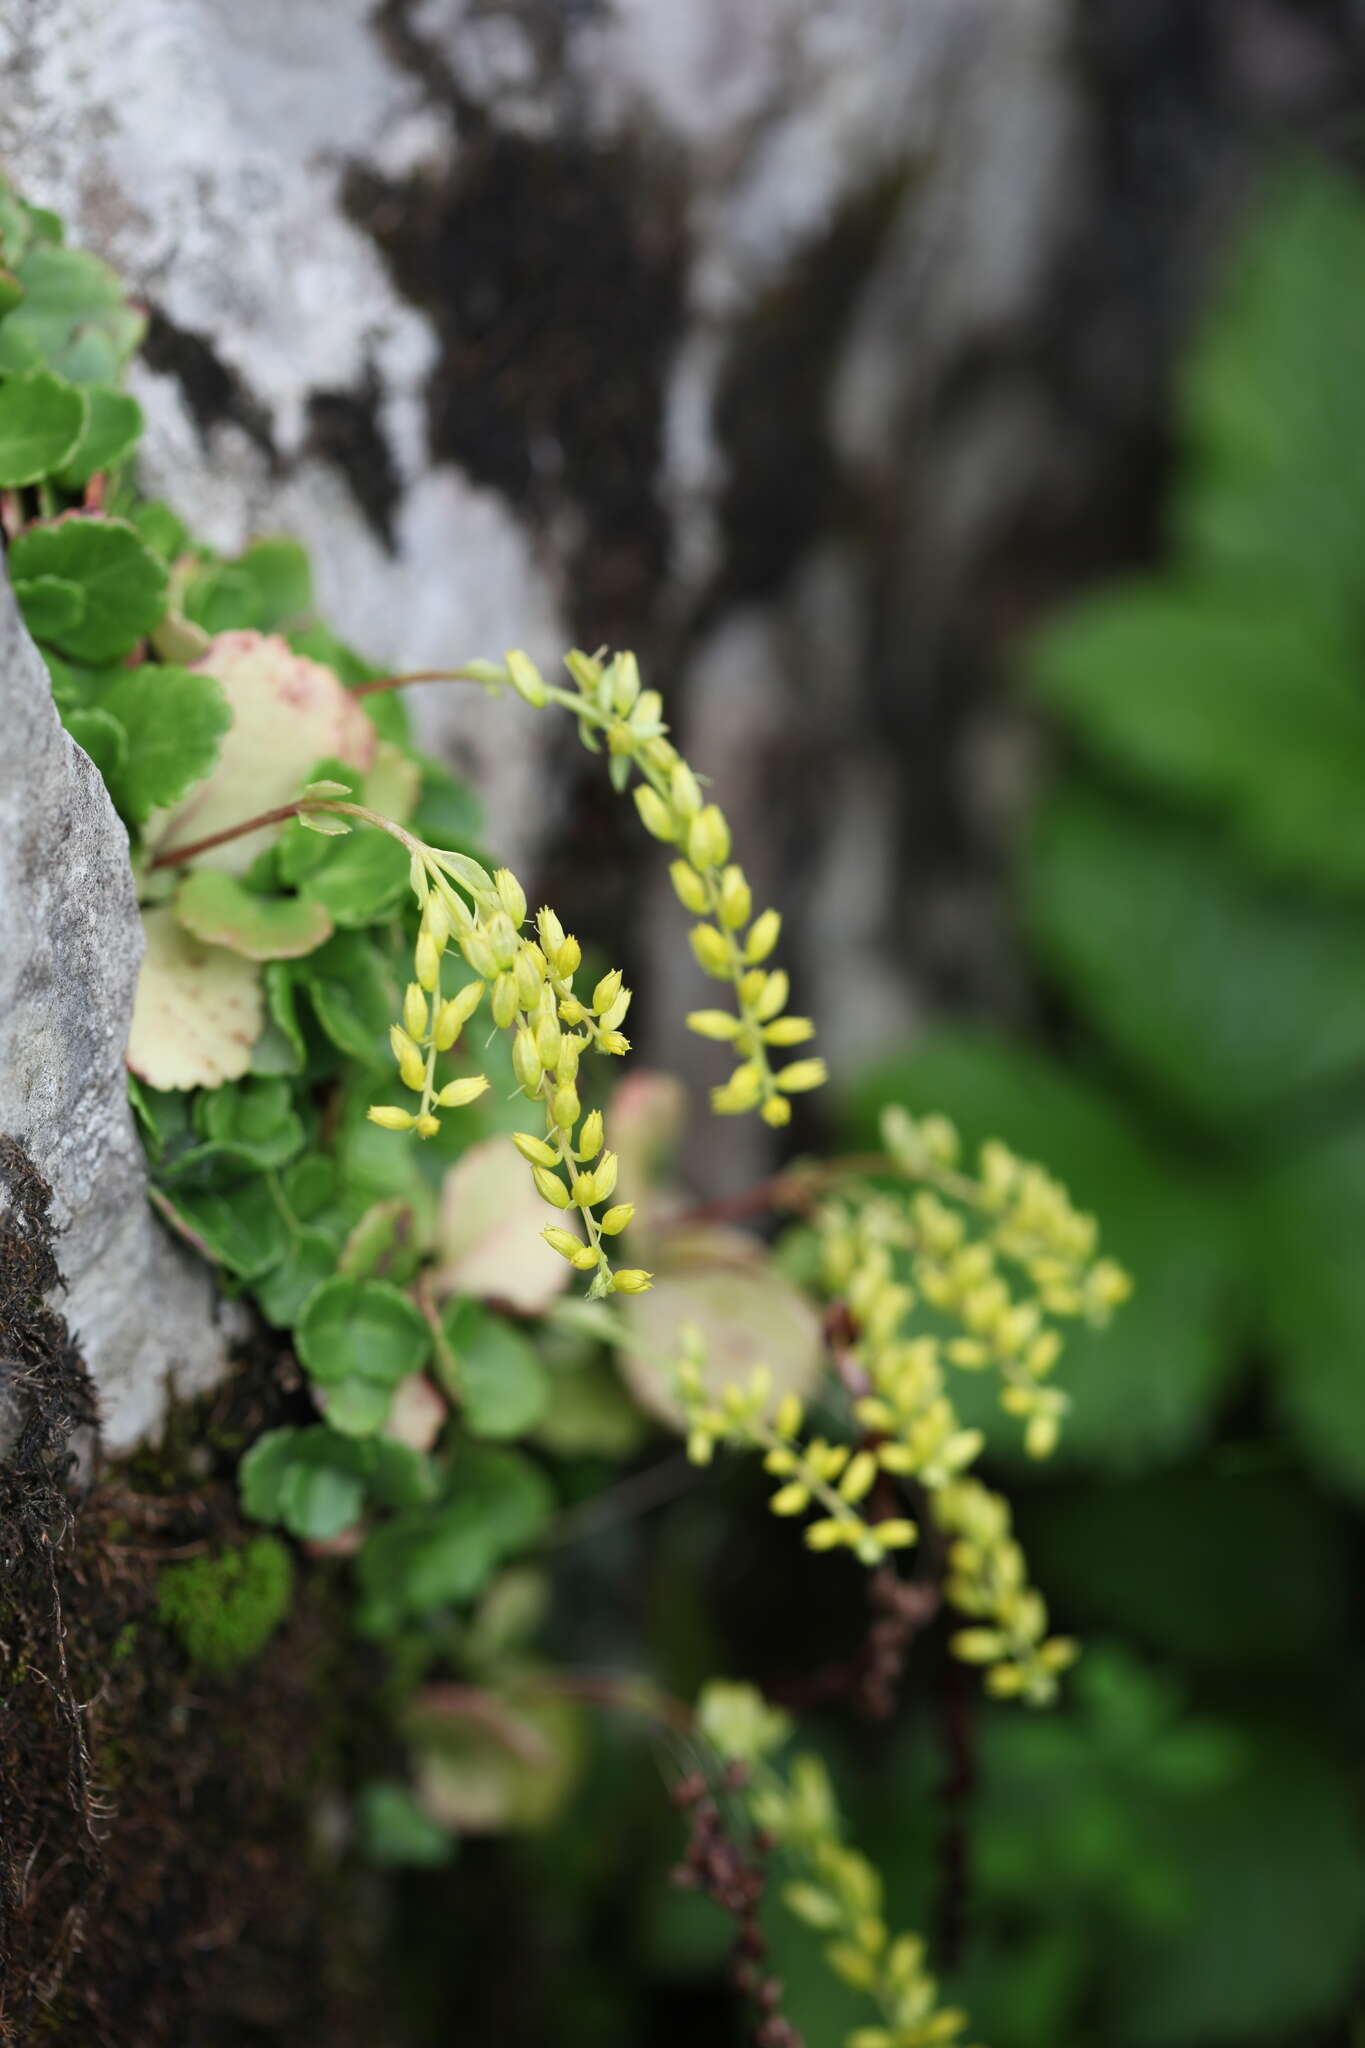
42	419
499	1382
175	719
102	737
220	911
123	583
112	429
51	606
358	1338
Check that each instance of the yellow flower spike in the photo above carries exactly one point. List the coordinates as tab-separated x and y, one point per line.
631	1280
390	1118
411	1065
689	888
534	1150
616	1219
550	1187
592	1135
457	1094
415	1016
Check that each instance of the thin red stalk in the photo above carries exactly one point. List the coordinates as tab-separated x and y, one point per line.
417	675
176	856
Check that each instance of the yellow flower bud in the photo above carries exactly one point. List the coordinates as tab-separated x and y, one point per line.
480	955
456	1094
708	838
776	1111
533	1150
655	815
591	1136
550	1187
606	991
570	1053
616	1219
711	952
526	678
455	1014
801	1075
501	934
688	887
717	1024
528	977
551	931
391	1119
736	899
586	1257
566	1107
505	1001
563	1241
763	936
789	1031
604	1179
411	1065
625	683
630	1280
613	1042
776	989
428	1125
414	1011
526	1061
427	961
436	921
568	958
571	1011
684	791
511	895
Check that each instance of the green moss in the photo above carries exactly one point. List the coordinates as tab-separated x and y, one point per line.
224	1609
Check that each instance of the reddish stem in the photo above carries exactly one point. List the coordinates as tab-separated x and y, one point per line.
416	675
176	856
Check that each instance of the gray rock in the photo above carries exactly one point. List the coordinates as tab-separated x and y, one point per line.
141	1309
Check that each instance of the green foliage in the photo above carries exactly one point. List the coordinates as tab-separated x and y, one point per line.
42	421
359	1338
223	1610
316	1481
121	584
394	1832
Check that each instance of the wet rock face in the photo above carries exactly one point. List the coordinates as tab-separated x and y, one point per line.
140	1311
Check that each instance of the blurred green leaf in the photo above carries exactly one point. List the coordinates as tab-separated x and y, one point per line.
1312	1278
499	1382
1232	998
122	582
42	419
1230	699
